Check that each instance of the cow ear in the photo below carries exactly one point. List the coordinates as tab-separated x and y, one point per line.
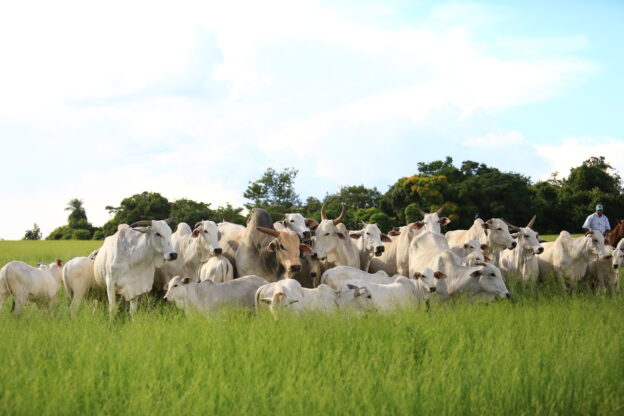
58	262
417	275
285	224
393	233
341	236
439	275
272	245
466	246
515	235
444	221
385	238
311	223
355	235
305	248
487	259
476	273
485	226
484	247
418	225
195	233
186	280
540	240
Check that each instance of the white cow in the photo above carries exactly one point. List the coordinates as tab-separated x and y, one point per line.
79	279
493	232
27	283
471	246
522	261
209	297
369	242
126	262
604	273
225	228
423	248
332	244
481	278
568	258
401	293
297	223
338	276
217	269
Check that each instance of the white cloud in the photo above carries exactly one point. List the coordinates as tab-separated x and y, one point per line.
495	140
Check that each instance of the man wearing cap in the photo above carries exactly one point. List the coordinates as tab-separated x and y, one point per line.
597	221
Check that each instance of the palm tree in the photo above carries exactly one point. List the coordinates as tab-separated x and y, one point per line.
77	212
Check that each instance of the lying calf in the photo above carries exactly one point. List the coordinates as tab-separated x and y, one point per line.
386	297
210	297
217	269
337	277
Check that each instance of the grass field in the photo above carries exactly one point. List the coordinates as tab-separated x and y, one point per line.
543	353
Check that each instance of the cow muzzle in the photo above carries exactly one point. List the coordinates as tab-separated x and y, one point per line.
540	250
306	235
432	289
508	295
513	245
616	266
171	256
217	251
379	250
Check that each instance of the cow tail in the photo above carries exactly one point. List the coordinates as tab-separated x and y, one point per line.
4	280
68	290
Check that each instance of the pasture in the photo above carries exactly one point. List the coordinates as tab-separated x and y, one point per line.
545	352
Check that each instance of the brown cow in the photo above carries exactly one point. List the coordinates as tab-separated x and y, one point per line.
614	236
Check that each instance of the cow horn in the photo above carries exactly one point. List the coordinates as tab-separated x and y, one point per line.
323	214
343	214
423	213
142	223
198	224
282	215
169	220
530	224
439	211
362	224
513	227
268	231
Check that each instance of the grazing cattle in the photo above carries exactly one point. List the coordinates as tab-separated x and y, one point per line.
266	252
423	248
332	245
568	258
604	273
297	223
79	279
288	295
494	233
126	262
401	293
481	278
369	242
27	283
210	297
615	235
217	269
522	260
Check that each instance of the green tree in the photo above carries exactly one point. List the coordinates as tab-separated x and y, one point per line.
356	197
273	189
33	234
143	206
77	214
191	212
230	214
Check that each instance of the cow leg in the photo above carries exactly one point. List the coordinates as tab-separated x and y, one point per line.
18	304
79	294
134	304
3	297
52	304
112	297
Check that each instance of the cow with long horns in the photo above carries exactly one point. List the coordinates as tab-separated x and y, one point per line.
332	245
266	252
126	262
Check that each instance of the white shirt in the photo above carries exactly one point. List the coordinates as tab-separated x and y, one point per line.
594	222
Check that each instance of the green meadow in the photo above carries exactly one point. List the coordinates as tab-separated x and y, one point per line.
544	352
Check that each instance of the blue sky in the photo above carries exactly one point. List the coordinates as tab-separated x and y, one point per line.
197	99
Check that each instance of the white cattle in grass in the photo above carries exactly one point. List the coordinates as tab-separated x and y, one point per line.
126	262
604	273
568	258
468	280
493	232
401	293
27	283
209	297
338	276
79	279
423	248
369	243
469	247
522	260
217	269
332	245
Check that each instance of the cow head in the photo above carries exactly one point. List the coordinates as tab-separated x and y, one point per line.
176	290
371	238
287	248
433	221
209	234
299	224
595	243
328	235
354	296
426	279
498	234
528	241
158	234
490	280
617	258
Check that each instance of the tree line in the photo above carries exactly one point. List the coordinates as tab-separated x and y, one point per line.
465	192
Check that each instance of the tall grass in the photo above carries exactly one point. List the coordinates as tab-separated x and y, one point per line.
543	353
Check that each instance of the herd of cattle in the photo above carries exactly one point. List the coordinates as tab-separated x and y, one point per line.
283	266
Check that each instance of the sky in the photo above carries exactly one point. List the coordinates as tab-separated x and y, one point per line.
194	99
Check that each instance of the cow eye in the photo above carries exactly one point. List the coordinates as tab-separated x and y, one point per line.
175	285
158	234
526	236
281	247
367	233
499	229
205	231
326	234
292	220
595	241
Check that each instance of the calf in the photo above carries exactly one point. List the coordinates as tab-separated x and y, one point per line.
604	273
79	279
27	283
210	297
401	293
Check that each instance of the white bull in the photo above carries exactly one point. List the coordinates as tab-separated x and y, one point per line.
332	244
27	283
522	261
493	232
568	258
126	262
298	224
209	297
369	242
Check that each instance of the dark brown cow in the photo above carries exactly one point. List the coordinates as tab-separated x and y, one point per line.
614	236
